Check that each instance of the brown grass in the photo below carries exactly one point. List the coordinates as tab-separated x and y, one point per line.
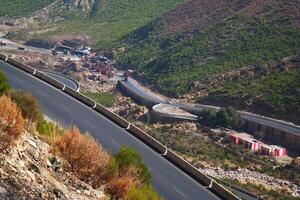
11	122
119	187
86	159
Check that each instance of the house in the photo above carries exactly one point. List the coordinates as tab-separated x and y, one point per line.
246	140
249	142
272	150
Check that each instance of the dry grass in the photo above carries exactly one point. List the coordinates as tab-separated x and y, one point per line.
86	159
11	122
119	187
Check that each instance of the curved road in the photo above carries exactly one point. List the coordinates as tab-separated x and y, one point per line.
197	108
63	79
168	180
144	93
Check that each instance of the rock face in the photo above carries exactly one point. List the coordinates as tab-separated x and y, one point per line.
81	5
29	171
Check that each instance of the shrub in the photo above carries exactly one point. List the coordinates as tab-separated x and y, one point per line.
49	131
209	116
127	158
118	188
4	86
84	156
144	193
11	122
29	106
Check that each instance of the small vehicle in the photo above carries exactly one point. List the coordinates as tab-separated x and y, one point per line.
21	48
3	43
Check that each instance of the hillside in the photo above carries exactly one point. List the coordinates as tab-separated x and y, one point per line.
200	47
104	21
30	171
20	8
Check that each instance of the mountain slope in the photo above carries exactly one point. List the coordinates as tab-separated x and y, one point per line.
20	8
192	50
108	21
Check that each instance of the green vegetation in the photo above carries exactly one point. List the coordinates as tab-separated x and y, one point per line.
4	85
111	20
49	131
19	8
234	43
127	158
225	117
202	59
145	193
104	98
278	91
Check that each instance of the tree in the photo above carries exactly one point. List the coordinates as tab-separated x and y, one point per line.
4	86
225	117
11	122
209	117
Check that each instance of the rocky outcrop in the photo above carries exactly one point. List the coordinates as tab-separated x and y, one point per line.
29	171
81	5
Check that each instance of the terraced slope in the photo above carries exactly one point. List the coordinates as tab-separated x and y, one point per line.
198	44
20	8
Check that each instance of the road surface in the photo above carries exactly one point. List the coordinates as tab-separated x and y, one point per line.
168	180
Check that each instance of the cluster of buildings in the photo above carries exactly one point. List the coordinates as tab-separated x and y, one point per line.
97	67
249	142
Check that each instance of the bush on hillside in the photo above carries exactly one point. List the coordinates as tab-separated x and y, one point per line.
128	171
85	158
4	86
49	131
11	122
29	106
127	158
119	187
226	117
144	193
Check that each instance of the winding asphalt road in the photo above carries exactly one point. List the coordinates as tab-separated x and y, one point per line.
197	108
168	180
63	79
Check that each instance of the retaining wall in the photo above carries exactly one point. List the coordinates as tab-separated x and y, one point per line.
153	143
219	189
20	65
112	116
49	80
